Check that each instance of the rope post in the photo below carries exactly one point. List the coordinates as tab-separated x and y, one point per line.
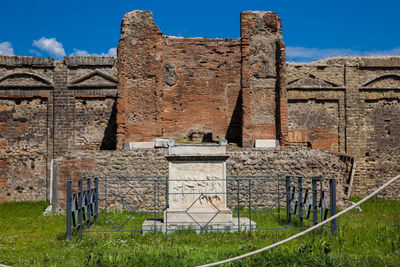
332	188
69	193
288	198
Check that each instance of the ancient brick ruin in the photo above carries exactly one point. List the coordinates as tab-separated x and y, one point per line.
171	86
69	119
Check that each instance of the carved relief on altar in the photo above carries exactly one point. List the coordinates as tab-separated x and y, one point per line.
197	185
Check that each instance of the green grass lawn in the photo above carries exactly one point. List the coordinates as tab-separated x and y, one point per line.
367	238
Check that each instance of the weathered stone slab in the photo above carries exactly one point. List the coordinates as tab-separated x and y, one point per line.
193	150
163	143
242	224
266	143
135	145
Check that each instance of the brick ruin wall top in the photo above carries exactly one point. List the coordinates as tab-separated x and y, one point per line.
170	86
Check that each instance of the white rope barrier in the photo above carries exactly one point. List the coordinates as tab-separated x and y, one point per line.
305	231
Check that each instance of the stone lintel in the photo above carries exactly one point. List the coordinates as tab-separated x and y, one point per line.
197	150
266	143
203	158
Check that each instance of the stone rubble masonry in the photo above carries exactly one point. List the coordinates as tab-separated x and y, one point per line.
147	163
47	108
349	105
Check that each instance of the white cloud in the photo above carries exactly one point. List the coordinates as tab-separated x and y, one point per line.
35	53
304	54
78	52
390	52
51	46
6	49
112	52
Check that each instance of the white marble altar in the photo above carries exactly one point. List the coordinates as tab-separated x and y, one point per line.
197	189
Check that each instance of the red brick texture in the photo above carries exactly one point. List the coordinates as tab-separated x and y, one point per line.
203	87
70	170
140	75
170	86
3	181
282	113
317	138
261	37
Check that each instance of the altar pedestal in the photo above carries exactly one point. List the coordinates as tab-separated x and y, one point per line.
197	191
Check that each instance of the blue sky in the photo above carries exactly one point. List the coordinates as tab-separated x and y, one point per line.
312	29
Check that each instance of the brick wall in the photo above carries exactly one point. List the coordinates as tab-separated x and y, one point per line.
140	76
349	105
201	87
47	108
261	39
170	86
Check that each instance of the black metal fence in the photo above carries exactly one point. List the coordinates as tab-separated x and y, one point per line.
312	203
82	204
123	204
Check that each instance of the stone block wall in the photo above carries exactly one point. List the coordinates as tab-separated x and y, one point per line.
349	105
49	107
149	163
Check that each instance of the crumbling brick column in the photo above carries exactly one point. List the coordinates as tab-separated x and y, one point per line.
282	101
140	74
64	109
261	36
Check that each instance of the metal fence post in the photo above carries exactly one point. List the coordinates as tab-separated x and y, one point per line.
250	204
288	198
279	199
300	184
238	201
155	206
69	194
314	201
332	188
105	195
89	203
166	207
80	196
96	198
